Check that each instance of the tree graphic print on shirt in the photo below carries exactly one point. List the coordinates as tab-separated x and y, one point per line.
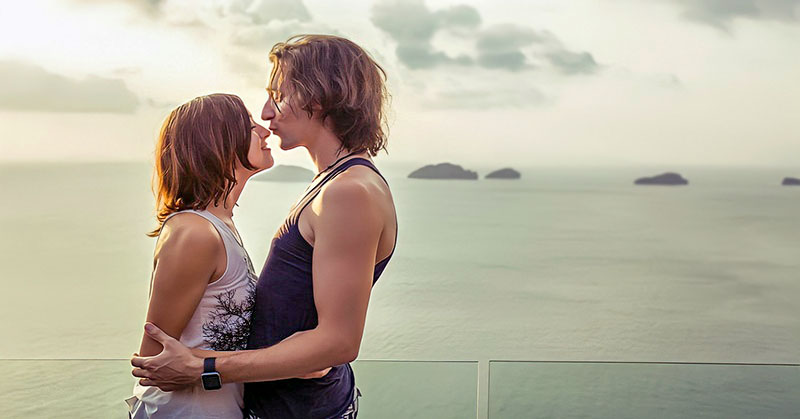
228	325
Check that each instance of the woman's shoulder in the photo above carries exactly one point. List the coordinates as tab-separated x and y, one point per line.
190	233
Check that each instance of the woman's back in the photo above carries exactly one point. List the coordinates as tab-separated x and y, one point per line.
220	322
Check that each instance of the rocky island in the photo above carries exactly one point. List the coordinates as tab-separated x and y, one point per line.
663	179
285	173
790	181
507	173
443	171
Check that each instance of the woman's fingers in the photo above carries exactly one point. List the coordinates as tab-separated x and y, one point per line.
316	374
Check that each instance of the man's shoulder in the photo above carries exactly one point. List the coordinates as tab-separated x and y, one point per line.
347	189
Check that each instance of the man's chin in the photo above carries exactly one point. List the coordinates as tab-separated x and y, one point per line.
286	147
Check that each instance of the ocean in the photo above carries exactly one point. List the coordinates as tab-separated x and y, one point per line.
566	264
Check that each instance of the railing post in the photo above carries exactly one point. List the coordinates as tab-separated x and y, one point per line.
483	389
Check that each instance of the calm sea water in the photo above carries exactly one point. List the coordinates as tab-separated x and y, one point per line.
565	264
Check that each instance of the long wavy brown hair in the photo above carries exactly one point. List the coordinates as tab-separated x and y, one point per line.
196	154
339	77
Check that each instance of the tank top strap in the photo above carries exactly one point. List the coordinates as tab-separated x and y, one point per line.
294	215
230	238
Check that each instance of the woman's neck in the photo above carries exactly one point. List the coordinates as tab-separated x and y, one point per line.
224	211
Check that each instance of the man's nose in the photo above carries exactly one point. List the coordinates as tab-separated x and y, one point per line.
268	112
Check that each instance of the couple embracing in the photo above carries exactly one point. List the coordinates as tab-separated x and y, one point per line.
221	341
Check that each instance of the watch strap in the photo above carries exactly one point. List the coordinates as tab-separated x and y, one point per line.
209	365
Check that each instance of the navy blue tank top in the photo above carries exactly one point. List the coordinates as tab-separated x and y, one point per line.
284	304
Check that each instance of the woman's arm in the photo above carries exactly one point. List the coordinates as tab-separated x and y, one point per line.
187	258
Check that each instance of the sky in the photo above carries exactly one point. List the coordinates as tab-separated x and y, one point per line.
500	83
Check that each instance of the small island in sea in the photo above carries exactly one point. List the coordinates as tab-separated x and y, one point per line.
285	173
663	179
507	173
791	181
443	171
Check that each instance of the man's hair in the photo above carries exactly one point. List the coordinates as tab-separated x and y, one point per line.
342	80
196	154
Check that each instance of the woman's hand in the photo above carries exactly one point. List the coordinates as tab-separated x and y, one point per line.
316	374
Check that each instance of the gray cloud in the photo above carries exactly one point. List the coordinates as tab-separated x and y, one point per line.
721	13
501	46
506	47
27	87
569	62
459	16
412	25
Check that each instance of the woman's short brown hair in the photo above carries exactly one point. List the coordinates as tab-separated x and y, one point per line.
196	154
341	79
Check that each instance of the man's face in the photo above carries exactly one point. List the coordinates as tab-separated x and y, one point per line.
286	119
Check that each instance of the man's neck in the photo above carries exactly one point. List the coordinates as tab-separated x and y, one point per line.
325	151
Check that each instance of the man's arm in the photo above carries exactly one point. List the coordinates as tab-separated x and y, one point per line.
347	231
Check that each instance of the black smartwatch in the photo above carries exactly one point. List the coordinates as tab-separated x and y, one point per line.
210	377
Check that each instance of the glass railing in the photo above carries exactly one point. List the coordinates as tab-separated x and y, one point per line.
642	390
97	388
457	389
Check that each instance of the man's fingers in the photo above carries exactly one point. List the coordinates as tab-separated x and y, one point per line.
147	382
157	334
141	373
139	361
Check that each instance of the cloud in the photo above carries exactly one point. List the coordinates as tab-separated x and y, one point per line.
263	36
149	7
266	11
508	47
520	97
412	25
501	46
722	13
459	16
27	87
249	45
569	62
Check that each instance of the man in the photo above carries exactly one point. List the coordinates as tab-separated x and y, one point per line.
325	94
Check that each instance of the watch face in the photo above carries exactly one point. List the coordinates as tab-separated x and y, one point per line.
211	381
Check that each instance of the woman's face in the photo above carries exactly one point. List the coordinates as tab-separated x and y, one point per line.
259	155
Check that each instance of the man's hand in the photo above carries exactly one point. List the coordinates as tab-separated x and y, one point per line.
175	368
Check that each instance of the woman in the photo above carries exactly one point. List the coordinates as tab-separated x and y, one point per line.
201	289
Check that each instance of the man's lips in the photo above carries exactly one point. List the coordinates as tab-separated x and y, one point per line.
265	144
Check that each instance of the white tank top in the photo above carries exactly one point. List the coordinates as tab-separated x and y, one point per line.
220	322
